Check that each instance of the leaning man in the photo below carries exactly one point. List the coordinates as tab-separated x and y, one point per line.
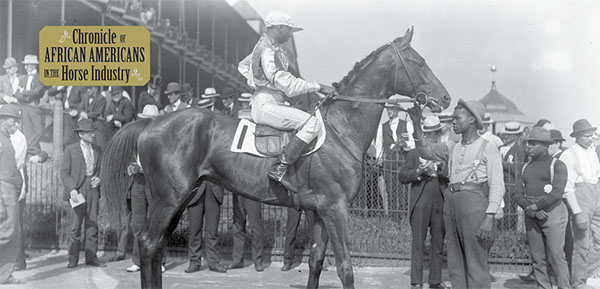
474	194
539	192
10	186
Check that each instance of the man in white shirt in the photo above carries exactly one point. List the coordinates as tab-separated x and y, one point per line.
582	194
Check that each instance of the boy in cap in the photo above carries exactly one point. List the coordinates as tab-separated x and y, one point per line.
426	210
539	192
11	183
79	173
582	194
474	193
266	70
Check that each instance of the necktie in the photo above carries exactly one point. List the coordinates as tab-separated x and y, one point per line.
89	160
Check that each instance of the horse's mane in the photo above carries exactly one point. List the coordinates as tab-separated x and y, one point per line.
359	65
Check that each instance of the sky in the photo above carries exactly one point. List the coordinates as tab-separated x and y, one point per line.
547	52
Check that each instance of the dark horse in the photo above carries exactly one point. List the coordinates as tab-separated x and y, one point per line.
181	150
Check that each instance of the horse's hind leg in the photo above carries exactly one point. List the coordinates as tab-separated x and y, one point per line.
336	223
317	252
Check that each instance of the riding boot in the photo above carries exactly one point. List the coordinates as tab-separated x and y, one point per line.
290	154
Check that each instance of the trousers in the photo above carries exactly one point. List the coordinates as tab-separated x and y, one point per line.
9	230
243	208
426	217
467	255
87	214
206	206
586	243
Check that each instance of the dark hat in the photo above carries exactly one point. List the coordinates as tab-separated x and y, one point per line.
186	87
10	110
542	122
582	125
476	109
556	135
116	90
227	92
540	134
172	87
10	62
445	118
85	125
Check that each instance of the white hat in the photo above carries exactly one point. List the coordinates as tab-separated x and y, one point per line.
487	118
245	97
30	59
512	127
204	103
281	18
431	123
149	111
209	92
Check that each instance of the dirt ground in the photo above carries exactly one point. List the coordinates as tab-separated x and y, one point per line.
47	269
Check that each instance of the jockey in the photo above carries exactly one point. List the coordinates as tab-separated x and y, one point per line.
266	72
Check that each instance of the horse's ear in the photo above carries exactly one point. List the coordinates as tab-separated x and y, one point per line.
409	34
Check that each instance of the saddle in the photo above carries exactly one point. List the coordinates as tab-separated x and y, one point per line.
266	141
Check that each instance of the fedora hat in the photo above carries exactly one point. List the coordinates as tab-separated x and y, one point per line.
186	87
245	97
209	92
540	134
10	62
582	125
227	92
10	110
512	127
431	123
556	135
30	59
204	103
173	87
149	111
476	109
85	125
281	18
116	90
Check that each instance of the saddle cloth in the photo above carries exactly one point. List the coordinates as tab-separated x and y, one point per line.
264	141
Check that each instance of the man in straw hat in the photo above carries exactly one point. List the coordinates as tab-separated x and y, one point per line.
208	99
426	208
11	183
9	83
33	88
119	111
244	103
582	194
79	173
266	70
474	193
539	192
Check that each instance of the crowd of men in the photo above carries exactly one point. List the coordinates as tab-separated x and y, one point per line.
20	95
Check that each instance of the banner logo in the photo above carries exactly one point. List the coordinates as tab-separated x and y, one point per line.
94	55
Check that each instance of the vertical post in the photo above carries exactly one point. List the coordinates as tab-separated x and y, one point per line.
212	40
9	29
62	13
159	9
57	132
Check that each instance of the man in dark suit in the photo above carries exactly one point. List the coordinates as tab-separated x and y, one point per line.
119	111
33	88
151	95
173	92
92	104
206	203
79	174
230	107
426	209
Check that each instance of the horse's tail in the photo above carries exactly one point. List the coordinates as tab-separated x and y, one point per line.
116	156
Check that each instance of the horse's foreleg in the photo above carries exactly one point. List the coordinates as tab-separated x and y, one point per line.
336	223
317	252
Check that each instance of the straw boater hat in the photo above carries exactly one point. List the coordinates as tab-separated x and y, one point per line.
10	110
540	134
512	127
556	135
281	18
245	97
172	87
30	59
431	123
445	118
476	109
487	118
149	111
204	103
582	125
209	92
85	125
9	62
